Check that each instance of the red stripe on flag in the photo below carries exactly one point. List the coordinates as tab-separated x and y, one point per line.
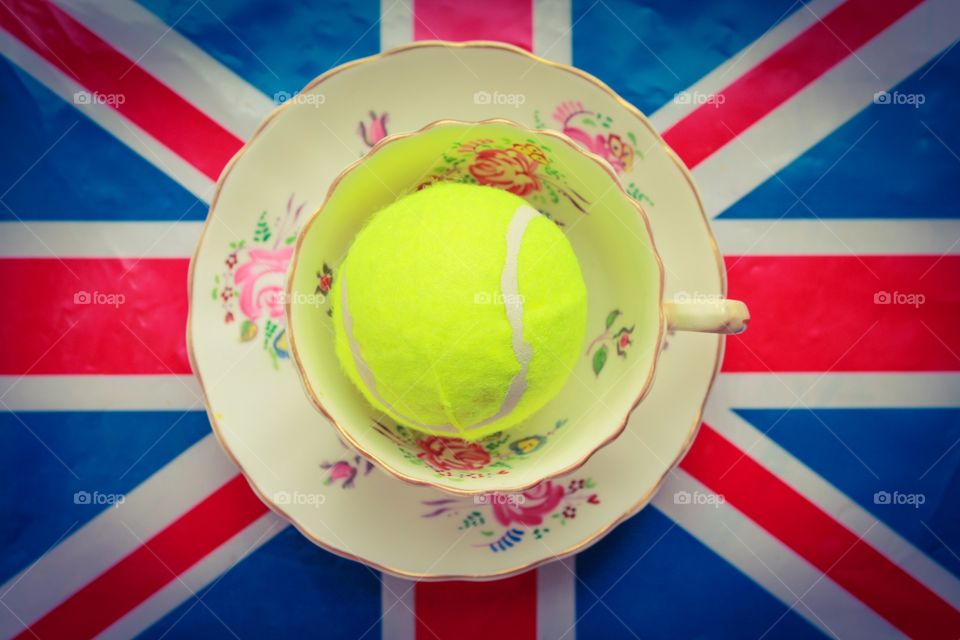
162	558
456	609
787	296
459	609
504	20
88	316
86	58
780	76
846	313
816	536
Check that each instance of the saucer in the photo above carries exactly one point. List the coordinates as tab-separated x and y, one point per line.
239	347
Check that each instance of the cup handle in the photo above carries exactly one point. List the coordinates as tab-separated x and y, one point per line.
719	316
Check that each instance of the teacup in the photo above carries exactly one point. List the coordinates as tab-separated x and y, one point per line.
627	319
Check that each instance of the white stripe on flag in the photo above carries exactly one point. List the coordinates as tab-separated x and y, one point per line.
742	390
104	540
184	589
396	23
145	39
837	390
760	237
557	600
398	604
831	500
63	240
825	105
127	132
101	393
552	32
770	563
913	236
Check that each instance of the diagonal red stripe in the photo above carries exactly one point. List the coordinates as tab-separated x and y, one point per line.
162	558
780	76
835	550
503	20
86	58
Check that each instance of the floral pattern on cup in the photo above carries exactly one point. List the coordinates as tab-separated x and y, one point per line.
445	454
522	168
501	521
461	460
250	286
618	340
374	130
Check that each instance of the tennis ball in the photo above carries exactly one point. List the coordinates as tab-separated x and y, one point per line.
460	310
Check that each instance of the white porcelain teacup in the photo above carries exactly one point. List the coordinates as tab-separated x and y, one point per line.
627	315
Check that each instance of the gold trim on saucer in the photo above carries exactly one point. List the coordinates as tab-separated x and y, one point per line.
597	534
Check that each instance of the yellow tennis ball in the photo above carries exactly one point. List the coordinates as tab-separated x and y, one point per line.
460	310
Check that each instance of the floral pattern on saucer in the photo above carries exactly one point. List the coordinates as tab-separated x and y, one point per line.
524	169
461	460
345	471
619	340
502	521
250	286
373	129
593	131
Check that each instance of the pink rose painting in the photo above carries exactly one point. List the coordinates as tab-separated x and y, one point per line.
251	285
261	282
504	520
531	507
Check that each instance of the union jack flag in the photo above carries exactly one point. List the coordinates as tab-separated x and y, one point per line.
828	168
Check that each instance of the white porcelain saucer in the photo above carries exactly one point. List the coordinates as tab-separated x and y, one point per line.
238	344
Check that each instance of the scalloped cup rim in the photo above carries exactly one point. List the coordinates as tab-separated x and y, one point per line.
303	376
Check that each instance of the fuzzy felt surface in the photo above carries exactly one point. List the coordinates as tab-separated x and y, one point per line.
420	292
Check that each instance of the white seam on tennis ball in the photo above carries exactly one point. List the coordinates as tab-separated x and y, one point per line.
364	370
513	303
